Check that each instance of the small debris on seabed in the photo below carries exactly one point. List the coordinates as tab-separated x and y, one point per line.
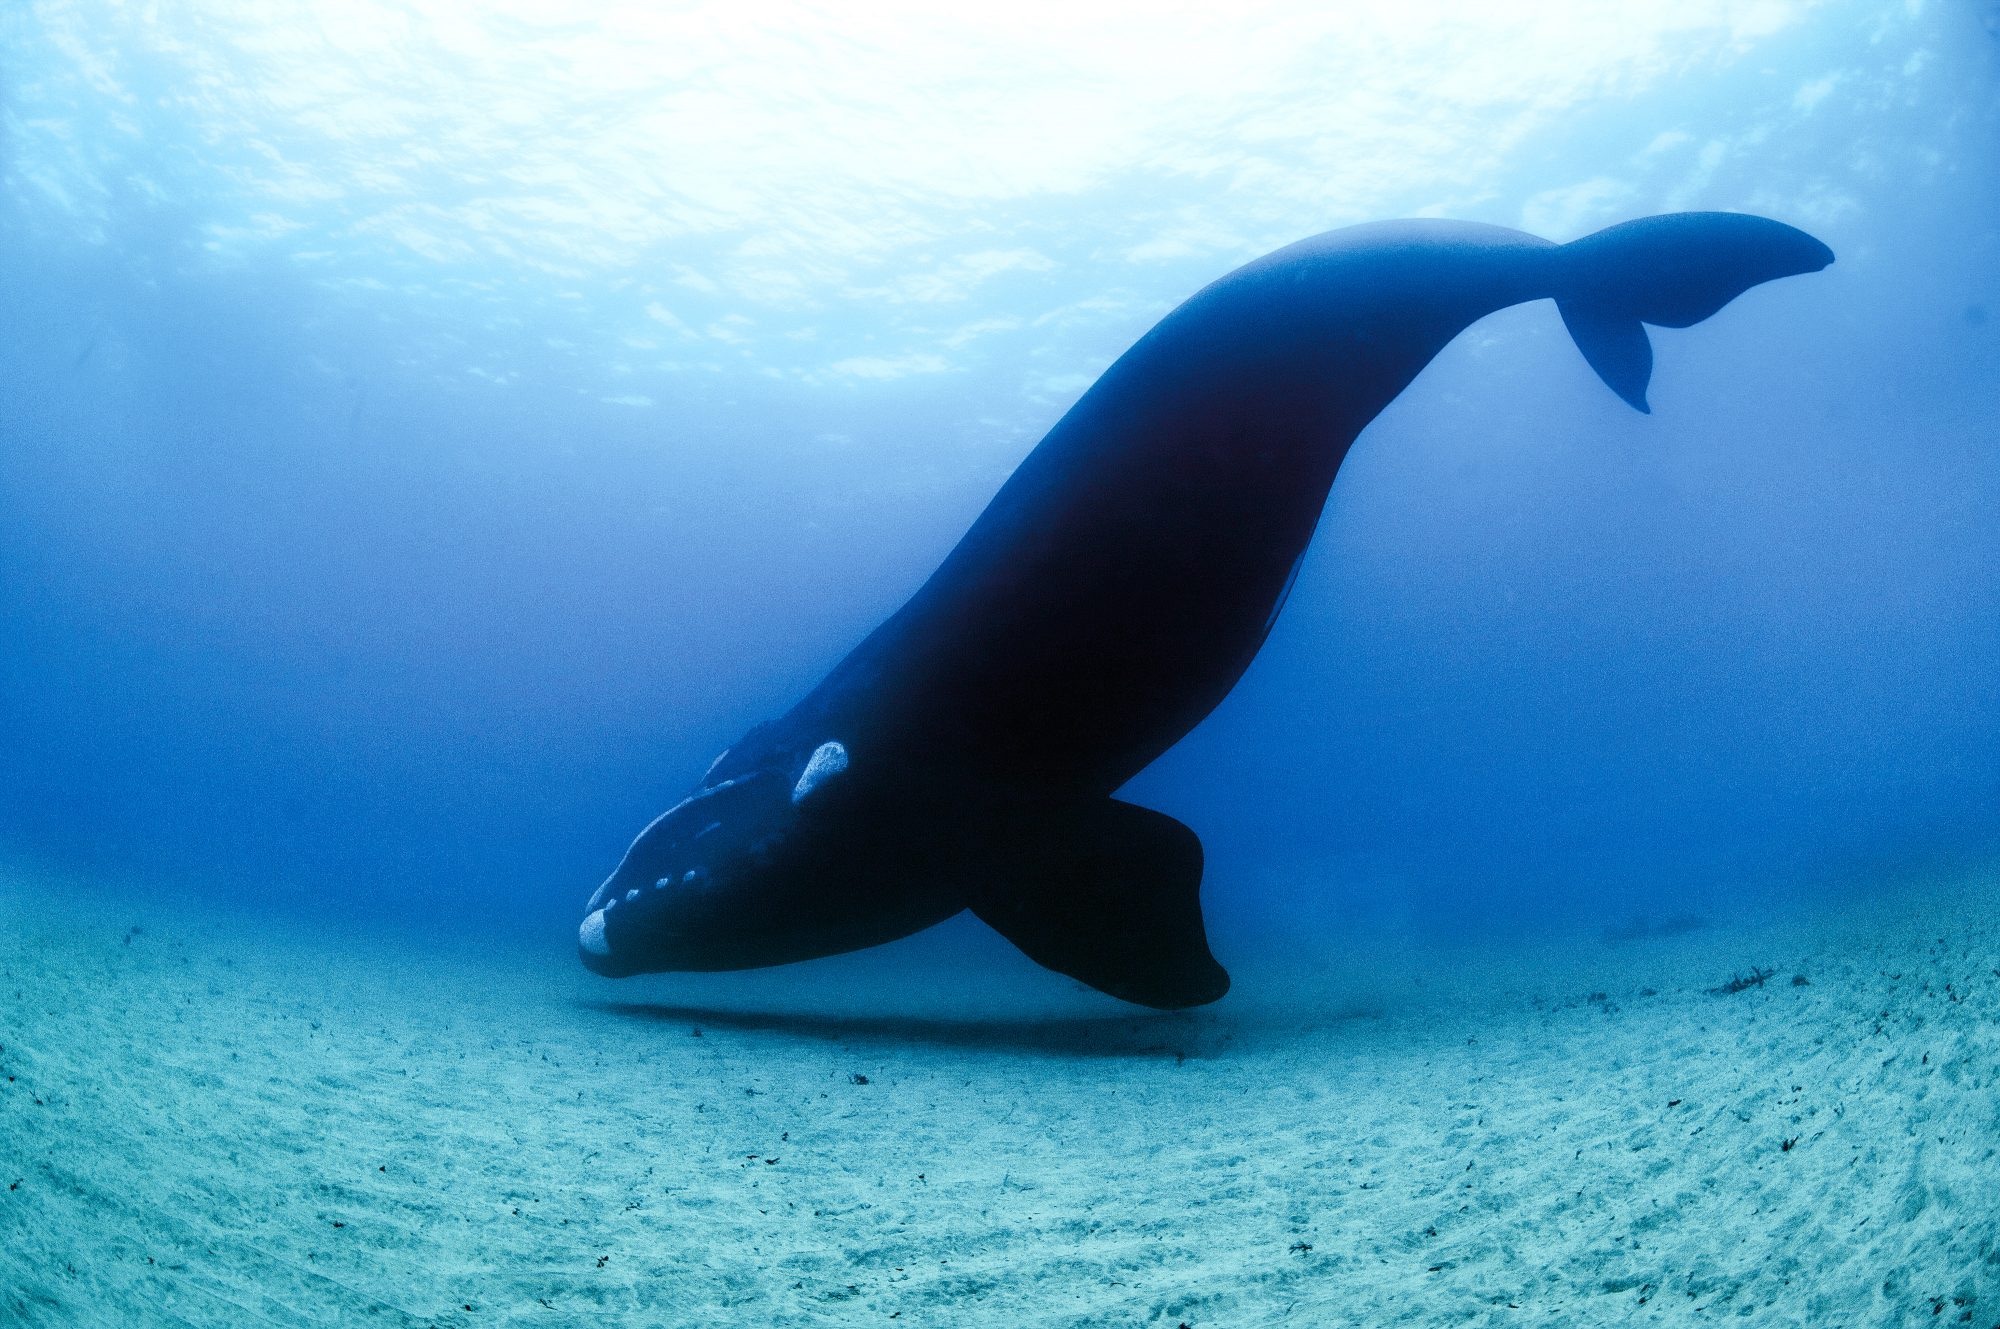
857	1078
1739	983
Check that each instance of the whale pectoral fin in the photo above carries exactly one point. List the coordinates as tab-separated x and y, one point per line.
1110	894
1615	344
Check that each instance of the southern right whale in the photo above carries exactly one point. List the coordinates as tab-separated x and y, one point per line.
965	755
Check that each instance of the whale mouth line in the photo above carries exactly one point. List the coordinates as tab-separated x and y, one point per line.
697	816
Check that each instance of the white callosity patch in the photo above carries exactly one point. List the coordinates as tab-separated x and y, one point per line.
591	935
828	760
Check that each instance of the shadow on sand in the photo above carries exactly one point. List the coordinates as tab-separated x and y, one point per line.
1175	1034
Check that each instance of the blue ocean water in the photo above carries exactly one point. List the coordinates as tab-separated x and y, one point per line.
433	434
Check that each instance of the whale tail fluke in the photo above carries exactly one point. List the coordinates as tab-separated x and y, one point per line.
1671	271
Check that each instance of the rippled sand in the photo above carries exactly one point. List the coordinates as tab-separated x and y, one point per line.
204	1122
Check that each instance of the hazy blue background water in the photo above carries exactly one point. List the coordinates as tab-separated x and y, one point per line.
431	433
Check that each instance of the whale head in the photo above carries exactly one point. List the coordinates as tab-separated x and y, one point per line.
758	866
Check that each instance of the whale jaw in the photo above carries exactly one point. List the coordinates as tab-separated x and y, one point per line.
1103	891
751	901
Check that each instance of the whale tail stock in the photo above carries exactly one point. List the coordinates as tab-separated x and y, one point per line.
1672	271
1110	894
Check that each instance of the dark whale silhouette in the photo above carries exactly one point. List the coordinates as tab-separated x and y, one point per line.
965	754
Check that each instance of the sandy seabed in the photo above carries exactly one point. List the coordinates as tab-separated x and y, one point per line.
209	1120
